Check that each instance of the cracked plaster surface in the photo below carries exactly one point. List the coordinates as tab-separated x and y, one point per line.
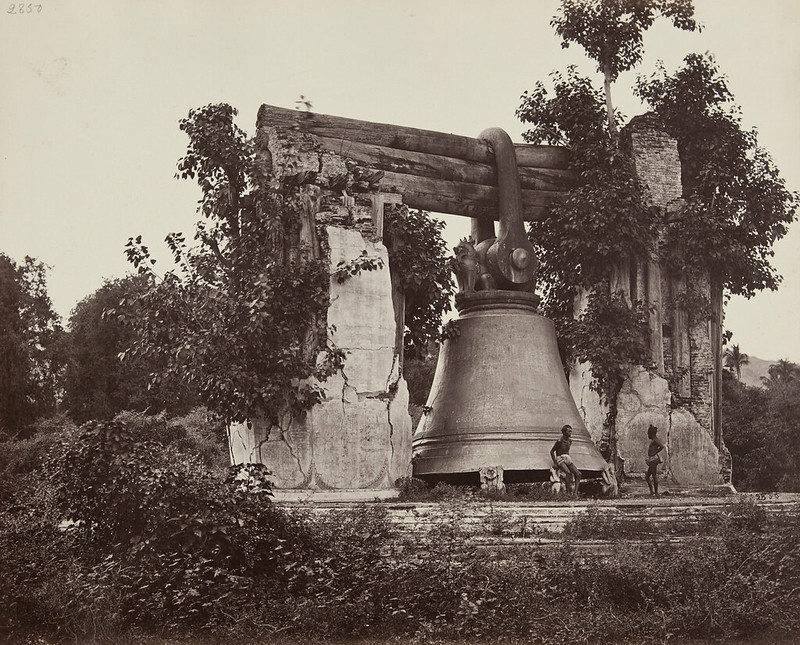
359	436
645	398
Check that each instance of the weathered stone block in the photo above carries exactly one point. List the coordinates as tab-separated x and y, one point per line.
643	400
693	457
359	436
362	313
592	408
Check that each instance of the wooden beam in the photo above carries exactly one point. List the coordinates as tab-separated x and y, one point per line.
410	139
460	198
422	164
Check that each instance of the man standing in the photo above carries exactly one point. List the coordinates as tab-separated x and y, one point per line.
653	459
559	453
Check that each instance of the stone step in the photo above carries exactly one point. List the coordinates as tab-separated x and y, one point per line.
527	520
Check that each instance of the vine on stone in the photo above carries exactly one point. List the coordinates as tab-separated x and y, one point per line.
738	205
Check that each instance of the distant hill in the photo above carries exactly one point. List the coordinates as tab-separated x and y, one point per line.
754	370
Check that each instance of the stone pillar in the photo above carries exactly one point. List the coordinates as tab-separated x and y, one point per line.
681	359
682	397
658	167
654	300
359	436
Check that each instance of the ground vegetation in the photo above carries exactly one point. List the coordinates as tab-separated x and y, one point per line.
134	531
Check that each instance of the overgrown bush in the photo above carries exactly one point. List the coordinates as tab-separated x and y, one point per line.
121	529
762	433
125	532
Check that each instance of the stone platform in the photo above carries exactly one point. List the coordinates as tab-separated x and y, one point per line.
519	522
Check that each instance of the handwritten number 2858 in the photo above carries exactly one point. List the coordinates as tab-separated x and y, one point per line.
24	8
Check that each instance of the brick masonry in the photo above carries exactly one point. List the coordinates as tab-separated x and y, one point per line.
679	394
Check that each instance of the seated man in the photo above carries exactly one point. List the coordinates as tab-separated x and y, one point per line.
559	453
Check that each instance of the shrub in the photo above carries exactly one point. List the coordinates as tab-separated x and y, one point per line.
120	535
199	433
150	537
598	524
19	457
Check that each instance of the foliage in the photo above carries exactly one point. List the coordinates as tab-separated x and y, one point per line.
611	336
363	262
142	532
242	317
238	316
782	373
735	359
98	384
762	431
603	222
419	372
737	203
421	270
31	345
593	523
206	555
198	432
22	456
610	32
411	489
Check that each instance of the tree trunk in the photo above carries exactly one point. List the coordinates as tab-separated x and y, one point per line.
612	123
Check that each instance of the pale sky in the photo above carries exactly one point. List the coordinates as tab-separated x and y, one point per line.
91	93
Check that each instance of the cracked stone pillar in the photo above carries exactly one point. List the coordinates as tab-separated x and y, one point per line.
681	394
359	436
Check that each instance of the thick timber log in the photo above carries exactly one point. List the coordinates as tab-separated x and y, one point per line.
421	164
403	138
445	173
459	198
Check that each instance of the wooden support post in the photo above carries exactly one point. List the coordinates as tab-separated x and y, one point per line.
378	201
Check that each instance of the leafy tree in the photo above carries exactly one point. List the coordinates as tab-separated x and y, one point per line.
605	217
235	318
762	430
98	384
31	345
242	316
737	203
610	32
782	373
734	359
605	221
602	222
419	266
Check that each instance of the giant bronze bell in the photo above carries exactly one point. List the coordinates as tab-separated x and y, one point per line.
499	396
